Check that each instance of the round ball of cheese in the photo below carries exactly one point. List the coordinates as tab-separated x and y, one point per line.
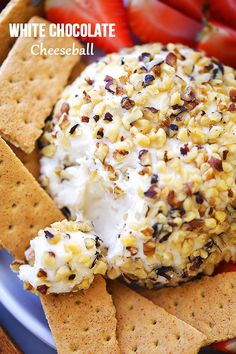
143	144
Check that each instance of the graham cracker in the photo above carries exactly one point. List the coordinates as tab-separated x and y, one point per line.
145	328
7	345
25	207
208	304
83	322
16	11
31	161
30	86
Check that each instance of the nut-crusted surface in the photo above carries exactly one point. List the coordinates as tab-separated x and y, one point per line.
30	86
153	131
63	258
145	328
25	207
208	305
17	11
83	322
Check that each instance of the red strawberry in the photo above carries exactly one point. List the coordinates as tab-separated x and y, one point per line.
93	12
224	10
152	21
224	267
228	346
219	41
191	8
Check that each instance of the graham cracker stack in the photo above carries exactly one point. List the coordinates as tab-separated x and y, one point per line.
25	208
31	85
16	11
145	328
208	304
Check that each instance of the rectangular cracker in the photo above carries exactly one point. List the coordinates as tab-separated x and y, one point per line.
30	85
208	304
145	328
83	322
31	161
25	207
7	346
16	11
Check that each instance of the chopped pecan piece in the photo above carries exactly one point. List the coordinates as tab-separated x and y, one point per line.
184	149
152	192
65	107
195	224
127	103
42	289
171	59
232	95
216	163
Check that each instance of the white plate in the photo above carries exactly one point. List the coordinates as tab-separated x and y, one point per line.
23	305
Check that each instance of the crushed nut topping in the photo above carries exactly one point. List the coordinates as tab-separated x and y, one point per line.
127	103
157	153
